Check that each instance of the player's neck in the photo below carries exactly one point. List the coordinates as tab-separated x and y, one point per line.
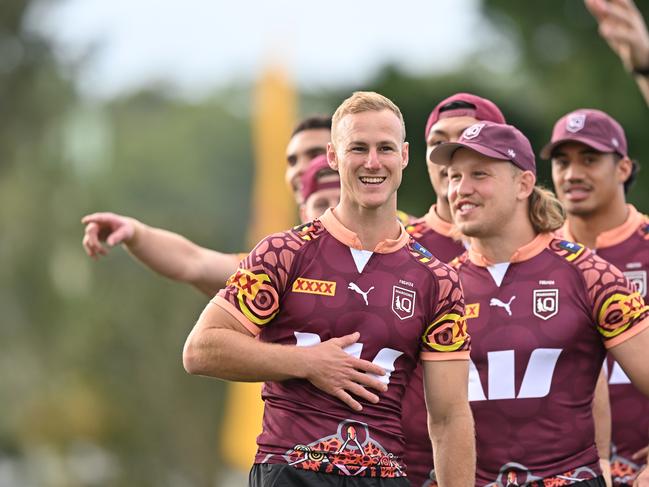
443	210
586	228
372	225
503	244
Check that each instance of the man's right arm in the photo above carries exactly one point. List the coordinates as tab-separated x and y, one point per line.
221	346
164	252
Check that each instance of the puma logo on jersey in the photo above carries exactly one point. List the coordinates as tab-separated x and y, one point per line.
500	304
354	287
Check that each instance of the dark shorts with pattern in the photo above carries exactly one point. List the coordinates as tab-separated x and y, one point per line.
283	475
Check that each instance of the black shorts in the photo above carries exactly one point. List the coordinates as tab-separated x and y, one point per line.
283	475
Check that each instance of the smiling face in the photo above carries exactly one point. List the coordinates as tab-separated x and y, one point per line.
485	194
370	155
301	149
587	181
444	130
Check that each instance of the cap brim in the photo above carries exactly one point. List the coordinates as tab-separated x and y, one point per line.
443	154
546	152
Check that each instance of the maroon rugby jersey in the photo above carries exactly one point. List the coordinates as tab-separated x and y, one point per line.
627	248
313	283
434	234
540	326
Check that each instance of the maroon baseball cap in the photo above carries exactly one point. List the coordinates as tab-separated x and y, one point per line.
483	110
495	140
592	127
311	178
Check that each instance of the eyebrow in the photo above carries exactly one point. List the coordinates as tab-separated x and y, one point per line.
438	132
581	152
309	150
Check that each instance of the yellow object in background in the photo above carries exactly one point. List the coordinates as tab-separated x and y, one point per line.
273	210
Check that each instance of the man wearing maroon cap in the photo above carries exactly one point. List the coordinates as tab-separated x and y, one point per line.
592	173
320	189
434	231
542	313
446	123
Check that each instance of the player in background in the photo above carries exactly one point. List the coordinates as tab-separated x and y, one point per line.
542	313
592	174
180	259
623	28
434	231
379	288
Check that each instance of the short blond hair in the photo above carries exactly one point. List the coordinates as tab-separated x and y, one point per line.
365	101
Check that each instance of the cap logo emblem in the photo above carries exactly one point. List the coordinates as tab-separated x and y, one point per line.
575	122
615	142
511	153
473	131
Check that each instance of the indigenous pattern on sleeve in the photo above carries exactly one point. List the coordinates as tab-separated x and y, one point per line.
252	294
616	305
447	332
305	287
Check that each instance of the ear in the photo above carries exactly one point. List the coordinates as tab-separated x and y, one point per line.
332	158
303	213
526	183
405	151
624	169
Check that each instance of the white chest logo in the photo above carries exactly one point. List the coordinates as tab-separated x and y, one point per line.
473	131
546	303
403	302
499	303
357	289
575	122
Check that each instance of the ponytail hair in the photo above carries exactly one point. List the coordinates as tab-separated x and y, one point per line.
545	210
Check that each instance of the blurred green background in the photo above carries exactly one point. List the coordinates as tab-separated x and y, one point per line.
92	387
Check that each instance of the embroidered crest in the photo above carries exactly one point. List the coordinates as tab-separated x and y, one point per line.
639	281
546	303
575	122
473	131
403	302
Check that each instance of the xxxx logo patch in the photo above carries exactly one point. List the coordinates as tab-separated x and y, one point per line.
313	286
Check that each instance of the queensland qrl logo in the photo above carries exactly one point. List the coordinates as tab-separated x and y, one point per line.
403	302
313	286
546	303
473	131
575	122
639	281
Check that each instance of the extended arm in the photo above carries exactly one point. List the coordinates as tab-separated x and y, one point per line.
164	252
450	422
623	28
220	346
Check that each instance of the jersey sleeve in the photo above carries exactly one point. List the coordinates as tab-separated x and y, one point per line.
446	336
618	309
253	293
